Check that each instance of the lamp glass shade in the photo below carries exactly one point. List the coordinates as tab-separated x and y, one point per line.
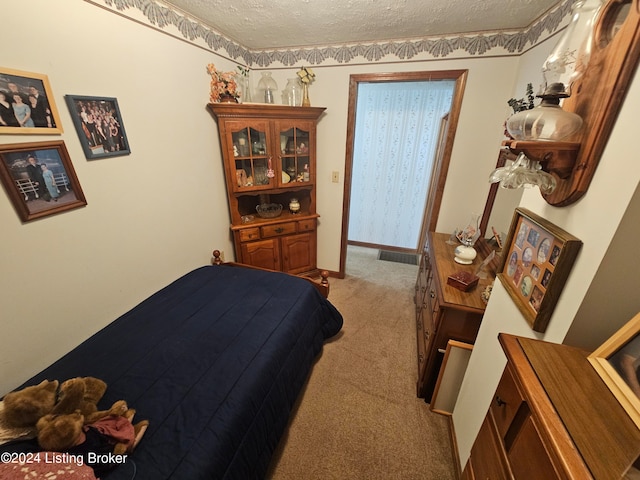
570	57
267	87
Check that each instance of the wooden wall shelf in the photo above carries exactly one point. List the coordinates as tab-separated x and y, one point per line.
597	97
555	157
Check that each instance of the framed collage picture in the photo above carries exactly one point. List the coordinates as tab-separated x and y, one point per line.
537	260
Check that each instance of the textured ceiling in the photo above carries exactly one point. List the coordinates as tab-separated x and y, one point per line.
280	24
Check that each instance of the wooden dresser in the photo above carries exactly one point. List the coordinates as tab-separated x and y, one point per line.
552	417
443	312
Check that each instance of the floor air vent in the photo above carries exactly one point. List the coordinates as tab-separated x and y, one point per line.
398	257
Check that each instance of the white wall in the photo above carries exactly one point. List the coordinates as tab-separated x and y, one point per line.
601	219
151	216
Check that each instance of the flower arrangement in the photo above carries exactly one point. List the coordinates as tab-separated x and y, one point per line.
222	84
306	75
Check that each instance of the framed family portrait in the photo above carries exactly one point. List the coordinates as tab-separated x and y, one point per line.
617	361
99	126
39	179
26	104
537	260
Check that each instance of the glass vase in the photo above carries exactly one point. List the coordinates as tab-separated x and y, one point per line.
292	94
245	89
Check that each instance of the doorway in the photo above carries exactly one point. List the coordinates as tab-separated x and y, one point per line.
427	218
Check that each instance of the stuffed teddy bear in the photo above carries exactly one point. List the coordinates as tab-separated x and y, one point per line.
61	432
79	394
24	408
94	437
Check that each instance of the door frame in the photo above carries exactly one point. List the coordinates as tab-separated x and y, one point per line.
444	156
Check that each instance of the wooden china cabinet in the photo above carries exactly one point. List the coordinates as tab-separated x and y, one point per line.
269	154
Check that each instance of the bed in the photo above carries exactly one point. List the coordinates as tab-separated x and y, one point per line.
215	361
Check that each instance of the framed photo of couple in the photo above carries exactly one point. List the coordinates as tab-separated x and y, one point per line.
39	179
537	259
26	104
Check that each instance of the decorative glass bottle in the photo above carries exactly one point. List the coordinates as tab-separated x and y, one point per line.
267	87
292	94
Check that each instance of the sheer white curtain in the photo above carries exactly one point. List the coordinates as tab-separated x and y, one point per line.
396	134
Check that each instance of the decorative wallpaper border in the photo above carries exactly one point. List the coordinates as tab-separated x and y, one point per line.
167	19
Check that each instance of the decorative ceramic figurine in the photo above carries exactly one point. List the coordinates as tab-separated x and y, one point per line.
294	205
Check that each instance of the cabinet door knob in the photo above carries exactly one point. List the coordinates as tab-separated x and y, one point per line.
279	230
499	401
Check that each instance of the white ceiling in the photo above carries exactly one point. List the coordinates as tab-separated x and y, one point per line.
281	24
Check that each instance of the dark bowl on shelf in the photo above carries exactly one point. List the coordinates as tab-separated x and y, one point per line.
269	210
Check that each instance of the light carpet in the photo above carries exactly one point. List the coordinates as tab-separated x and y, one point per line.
358	416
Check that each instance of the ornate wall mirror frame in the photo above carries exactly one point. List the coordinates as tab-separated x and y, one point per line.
599	93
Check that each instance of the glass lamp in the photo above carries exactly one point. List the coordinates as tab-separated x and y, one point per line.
267	87
465	253
547	121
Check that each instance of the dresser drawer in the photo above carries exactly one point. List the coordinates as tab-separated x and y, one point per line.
506	402
279	229
248	234
307	225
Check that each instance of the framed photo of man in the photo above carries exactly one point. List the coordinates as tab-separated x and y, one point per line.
39	179
99	126
617	362
26	104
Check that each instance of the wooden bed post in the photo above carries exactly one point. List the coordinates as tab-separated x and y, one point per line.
322	286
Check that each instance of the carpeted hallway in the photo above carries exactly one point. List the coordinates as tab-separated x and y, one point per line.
359	417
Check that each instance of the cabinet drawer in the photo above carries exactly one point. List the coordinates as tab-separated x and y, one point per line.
280	229
506	402
307	225
529	454
488	459
248	234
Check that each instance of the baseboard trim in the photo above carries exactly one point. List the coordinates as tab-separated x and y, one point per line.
454	447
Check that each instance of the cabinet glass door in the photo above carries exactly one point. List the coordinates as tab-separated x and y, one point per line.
253	164
295	160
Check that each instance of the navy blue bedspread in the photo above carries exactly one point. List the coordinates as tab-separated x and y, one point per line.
215	362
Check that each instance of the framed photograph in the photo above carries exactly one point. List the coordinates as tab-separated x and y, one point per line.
537	260
617	361
39	179
99	125
26	104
